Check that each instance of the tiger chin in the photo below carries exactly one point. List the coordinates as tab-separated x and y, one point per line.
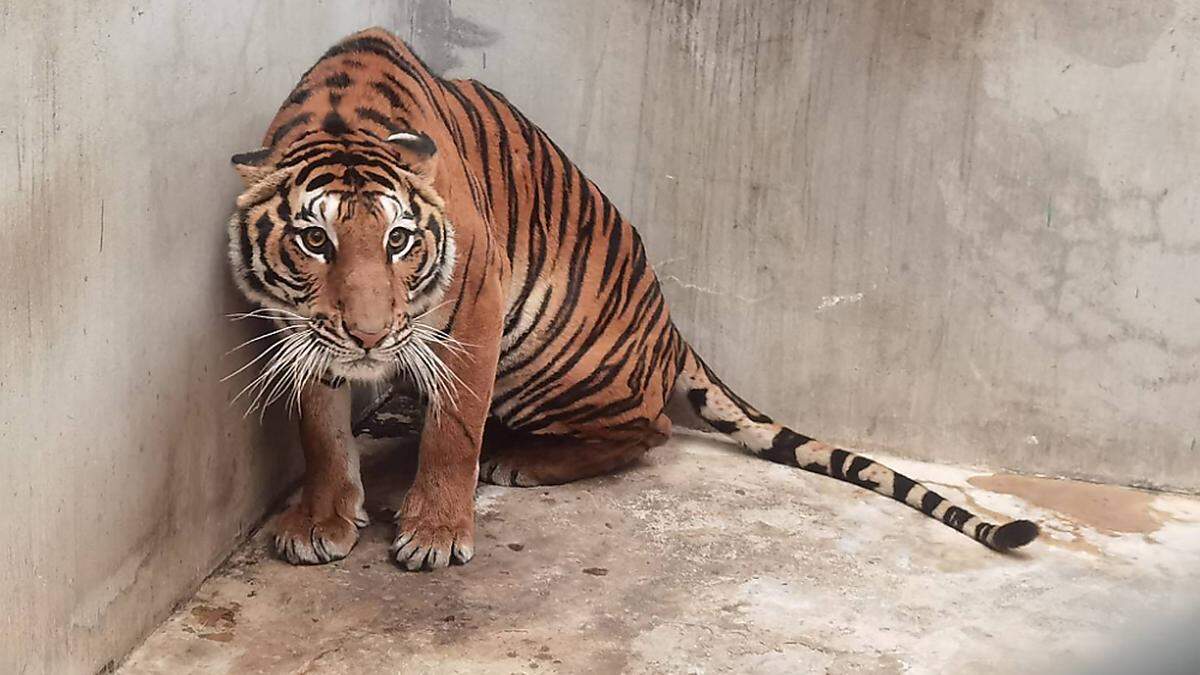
395	224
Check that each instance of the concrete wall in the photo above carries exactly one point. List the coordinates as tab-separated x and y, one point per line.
125	477
961	230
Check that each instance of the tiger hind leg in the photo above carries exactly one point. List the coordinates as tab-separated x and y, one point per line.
528	460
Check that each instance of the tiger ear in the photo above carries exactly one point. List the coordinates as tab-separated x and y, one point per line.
418	151
252	166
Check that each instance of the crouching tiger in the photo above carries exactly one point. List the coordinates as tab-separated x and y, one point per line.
396	224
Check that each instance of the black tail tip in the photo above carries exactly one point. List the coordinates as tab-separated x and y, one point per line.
1014	535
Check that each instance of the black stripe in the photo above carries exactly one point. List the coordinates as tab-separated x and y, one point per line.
283	129
466	274
339	81
245	250
837	463
504	157
253	158
723	426
610	257
300	95
536	254
982	530
270	277
334	124
901	486
377	117
930	501
956	517
519	340
401	88
390	94
382	180
320	181
783	447
858	464
288	262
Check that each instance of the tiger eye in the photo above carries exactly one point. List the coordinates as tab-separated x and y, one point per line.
315	238
397	237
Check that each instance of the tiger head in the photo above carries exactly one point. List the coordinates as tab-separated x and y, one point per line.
343	242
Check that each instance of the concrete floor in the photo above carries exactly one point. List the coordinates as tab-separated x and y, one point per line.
702	559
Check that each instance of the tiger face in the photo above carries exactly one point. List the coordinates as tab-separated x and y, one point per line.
345	245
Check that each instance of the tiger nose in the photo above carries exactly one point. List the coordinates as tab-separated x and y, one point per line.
366	337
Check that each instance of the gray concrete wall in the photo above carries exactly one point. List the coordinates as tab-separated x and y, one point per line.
960	230
125	477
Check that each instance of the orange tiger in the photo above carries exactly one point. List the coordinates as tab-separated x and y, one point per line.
397	224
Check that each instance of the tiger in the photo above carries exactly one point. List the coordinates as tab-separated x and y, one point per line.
399	226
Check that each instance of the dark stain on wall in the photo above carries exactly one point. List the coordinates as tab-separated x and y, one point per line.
437	33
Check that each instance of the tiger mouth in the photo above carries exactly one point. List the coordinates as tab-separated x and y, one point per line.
365	367
370	357
376	363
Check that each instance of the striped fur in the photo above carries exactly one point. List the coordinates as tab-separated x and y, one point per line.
524	264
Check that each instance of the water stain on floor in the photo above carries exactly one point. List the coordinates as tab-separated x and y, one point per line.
1102	507
214	623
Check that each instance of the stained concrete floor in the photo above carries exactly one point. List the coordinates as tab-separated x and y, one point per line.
702	559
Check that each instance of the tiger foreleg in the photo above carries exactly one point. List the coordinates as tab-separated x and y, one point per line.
436	523
323	525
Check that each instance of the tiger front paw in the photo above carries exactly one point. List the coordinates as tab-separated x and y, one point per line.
303	539
433	532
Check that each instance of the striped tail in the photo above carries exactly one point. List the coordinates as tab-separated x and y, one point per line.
730	415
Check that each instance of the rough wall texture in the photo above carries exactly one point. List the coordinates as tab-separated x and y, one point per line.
961	230
124	474
964	230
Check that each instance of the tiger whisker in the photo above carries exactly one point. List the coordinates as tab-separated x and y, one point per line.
282	378
414	373
299	372
263	337
428	379
276	310
256	387
279	360
438	368
430	334
437	381
267	313
429	311
454	380
285	377
264	353
270	317
275	384
316	363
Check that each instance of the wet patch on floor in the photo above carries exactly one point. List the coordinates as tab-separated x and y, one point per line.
1103	507
213	623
